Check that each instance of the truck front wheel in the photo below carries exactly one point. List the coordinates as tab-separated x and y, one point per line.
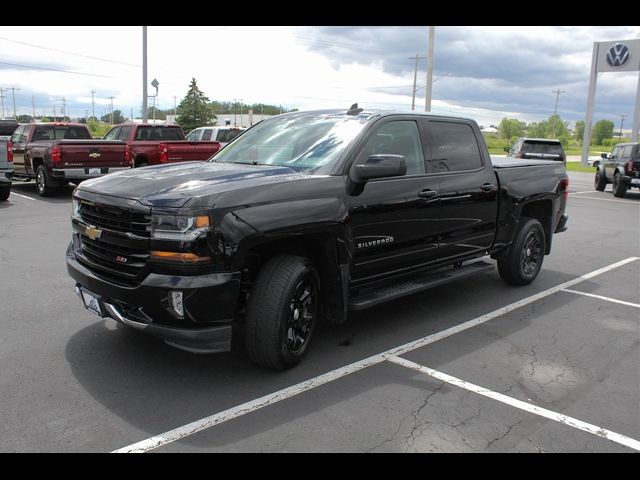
523	261
282	312
600	181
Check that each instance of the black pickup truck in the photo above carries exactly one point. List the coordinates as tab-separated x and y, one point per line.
307	215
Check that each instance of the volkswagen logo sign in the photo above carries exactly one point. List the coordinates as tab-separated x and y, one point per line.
618	55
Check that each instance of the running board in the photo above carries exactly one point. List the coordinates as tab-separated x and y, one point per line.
384	294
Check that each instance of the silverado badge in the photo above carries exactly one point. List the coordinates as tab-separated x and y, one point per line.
94	155
93	232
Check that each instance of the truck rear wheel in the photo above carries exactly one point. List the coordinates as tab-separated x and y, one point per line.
282	312
43	182
619	188
523	260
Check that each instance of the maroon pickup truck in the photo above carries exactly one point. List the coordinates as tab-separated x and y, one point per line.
56	153
159	144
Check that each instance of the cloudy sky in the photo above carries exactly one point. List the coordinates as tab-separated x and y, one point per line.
485	73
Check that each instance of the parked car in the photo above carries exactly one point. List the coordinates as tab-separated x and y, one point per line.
6	166
219	134
541	148
159	144
8	126
307	214
621	168
56	153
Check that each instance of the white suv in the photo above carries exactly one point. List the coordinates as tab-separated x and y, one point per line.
215	134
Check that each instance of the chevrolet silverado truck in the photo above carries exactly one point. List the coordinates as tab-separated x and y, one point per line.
307	215
57	153
160	144
621	168
6	167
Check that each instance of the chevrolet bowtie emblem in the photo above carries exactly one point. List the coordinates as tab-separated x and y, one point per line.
93	232
94	155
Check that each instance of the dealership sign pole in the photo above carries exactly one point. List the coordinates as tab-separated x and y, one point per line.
617	56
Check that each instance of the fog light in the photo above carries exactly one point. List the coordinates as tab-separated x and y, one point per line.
176	303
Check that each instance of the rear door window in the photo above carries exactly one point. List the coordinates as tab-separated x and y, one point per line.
112	134
229	134
626	152
206	135
453	147
124	133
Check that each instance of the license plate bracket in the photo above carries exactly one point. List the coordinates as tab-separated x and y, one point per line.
92	302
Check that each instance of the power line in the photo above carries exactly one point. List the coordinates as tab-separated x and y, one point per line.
55	69
70	53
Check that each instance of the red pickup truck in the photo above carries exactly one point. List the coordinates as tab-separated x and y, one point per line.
56	153
159	144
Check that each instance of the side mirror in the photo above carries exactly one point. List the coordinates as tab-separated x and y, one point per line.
378	166
604	155
507	149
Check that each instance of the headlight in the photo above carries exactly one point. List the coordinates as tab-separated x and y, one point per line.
75	207
178	227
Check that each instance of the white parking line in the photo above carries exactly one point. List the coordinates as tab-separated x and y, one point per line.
253	405
22	196
528	407
585	191
605	199
600	297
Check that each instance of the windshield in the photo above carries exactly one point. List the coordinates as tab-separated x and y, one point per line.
544	148
309	143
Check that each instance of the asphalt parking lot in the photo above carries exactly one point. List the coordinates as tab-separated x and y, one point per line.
473	366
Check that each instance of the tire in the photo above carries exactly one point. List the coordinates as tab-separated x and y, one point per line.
142	164
43	182
282	312
600	182
4	193
523	260
619	188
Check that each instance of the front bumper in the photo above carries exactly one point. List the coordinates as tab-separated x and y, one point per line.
209	305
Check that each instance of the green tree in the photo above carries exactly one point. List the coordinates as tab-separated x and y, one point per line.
556	127
24	118
117	117
538	129
579	130
194	109
510	127
601	130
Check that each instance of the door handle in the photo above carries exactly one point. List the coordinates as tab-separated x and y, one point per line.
488	187
427	194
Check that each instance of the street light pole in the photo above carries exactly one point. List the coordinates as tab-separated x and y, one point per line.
145	98
427	101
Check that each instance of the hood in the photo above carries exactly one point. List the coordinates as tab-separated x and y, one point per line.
175	184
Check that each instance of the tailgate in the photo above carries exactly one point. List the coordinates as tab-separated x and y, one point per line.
93	153
190	151
4	153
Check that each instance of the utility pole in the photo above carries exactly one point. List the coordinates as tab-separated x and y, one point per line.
240	112
415	79
86	115
93	104
427	101
111	98
131	114
64	109
13	90
2	100
175	107
145	99
557	92
54	111
235	106
622	117
33	107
